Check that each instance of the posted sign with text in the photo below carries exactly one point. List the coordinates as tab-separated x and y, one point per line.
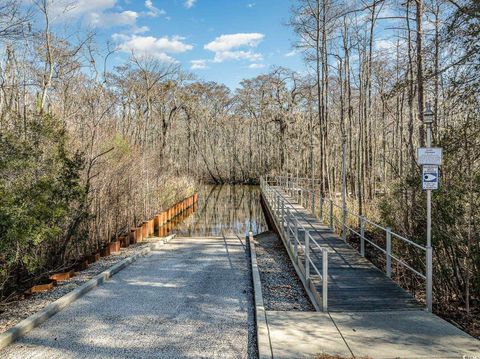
430	177
429	156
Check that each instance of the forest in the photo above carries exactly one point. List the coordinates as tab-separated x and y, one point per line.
88	150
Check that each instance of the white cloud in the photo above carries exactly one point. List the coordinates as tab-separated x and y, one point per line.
70	9
159	48
100	13
140	30
198	64
112	19
228	42
190	3
291	53
251	5
237	55
256	66
385	45
153	11
236	47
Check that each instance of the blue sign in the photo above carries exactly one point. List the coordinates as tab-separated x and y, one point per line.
430	177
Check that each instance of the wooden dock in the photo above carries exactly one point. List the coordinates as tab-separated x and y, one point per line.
354	283
366	313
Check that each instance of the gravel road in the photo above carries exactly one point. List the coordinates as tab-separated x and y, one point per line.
281	288
192	299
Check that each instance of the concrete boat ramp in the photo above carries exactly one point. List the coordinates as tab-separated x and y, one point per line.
190	298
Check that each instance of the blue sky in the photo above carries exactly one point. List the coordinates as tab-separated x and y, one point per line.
218	40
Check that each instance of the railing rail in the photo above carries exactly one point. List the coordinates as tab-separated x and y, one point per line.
281	210
307	198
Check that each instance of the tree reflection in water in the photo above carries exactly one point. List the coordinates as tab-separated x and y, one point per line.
226	210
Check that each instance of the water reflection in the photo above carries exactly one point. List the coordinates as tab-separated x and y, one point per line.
226	210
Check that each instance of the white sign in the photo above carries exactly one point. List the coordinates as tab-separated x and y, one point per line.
430	177
429	156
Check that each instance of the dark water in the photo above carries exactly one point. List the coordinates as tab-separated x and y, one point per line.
227	210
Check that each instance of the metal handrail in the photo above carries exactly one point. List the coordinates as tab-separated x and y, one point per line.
292	226
301	195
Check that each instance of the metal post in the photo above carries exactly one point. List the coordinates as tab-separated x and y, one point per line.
288	228
389	252
307	256
313	202
324	280
277	212
429	251
429	278
344	190
331	214
283	215
295	241
429	222
321	209
362	236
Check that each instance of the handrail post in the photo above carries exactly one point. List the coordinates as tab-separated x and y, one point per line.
331	214
313	202
307	256
321	209
277	212
283	215
389	252
362	236
324	280
344	223
288	227
295	242
429	281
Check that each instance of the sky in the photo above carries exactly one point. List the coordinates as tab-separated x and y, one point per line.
217	40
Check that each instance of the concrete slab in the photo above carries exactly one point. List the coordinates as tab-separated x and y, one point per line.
304	335
404	334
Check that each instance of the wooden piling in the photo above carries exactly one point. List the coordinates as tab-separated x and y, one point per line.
145	229
138	234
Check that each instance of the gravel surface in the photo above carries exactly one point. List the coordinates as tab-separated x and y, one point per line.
191	299
14	312
281	288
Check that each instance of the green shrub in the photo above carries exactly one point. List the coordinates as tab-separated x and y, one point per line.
42	201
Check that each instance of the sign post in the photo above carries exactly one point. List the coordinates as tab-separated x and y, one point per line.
429	158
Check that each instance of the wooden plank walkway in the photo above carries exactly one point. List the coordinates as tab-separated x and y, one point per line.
354	284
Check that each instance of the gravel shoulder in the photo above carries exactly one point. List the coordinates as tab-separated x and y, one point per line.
14	312
281	288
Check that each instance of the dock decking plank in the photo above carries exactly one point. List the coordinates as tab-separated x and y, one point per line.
354	283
